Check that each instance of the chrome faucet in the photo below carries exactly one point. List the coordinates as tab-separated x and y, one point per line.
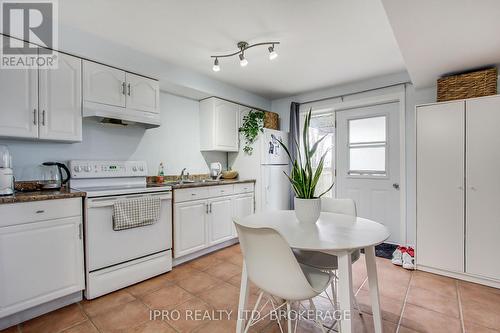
183	176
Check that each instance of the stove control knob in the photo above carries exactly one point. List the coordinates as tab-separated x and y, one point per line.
141	168
77	168
87	168
134	168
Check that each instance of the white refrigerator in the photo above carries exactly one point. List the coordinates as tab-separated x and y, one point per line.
266	165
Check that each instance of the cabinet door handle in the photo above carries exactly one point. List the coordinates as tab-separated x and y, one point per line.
34	116
124	87
43	117
40	211
210	208
128	87
80	231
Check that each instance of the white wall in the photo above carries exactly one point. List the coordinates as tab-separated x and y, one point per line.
413	97
175	142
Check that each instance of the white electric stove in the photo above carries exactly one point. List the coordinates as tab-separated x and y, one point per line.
116	259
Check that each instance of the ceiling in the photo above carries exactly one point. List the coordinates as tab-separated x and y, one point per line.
324	42
445	36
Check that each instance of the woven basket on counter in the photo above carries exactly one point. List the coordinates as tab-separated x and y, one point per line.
271	120
467	85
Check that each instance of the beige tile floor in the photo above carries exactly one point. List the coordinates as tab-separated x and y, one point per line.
411	302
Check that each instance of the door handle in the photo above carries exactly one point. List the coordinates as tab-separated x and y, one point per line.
124	87
207	208
396	186
43	117
210	208
128	87
34	116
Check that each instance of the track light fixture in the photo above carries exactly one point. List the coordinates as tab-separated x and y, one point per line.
216	66
243	60
272	53
243	46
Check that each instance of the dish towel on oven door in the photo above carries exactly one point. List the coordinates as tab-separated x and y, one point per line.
133	213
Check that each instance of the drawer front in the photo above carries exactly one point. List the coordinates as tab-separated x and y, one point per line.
220	190
243	188
189	194
25	212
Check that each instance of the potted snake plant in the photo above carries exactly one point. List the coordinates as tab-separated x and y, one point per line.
304	178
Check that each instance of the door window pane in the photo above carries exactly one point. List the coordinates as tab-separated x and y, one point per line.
367	130
367	159
368	146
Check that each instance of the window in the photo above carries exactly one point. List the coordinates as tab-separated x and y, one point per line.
368	146
323	124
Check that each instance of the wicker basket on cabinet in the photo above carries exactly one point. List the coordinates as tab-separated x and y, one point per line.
467	85
271	120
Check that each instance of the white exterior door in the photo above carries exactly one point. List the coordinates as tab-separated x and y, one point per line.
440	181
190	228
226	125
143	94
61	100
19	96
242	207
52	253
368	163
220	220
483	187
103	84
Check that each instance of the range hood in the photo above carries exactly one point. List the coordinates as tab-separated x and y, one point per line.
120	116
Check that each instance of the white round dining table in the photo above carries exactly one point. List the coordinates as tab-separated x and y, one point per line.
336	234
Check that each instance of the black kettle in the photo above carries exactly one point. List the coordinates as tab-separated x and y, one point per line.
52	175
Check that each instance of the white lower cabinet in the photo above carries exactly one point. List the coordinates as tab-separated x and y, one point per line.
190	225
199	224
40	259
220	220
243	205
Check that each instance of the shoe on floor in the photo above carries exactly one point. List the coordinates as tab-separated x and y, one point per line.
397	255
409	258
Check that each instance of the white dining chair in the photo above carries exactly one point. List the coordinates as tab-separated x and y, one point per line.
324	261
272	267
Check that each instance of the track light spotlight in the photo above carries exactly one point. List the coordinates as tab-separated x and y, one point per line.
216	66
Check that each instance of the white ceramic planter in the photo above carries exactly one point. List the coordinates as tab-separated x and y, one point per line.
307	210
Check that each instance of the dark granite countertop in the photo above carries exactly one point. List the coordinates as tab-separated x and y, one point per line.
41	195
205	183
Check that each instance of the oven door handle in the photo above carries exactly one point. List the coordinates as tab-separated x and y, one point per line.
108	202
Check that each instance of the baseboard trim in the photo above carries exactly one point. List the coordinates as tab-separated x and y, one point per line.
194	255
39	310
461	276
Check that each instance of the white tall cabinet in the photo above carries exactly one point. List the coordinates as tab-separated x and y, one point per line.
482	172
458	188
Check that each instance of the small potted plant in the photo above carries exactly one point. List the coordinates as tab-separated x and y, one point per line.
304	179
253	124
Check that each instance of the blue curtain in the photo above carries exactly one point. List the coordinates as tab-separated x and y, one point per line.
293	137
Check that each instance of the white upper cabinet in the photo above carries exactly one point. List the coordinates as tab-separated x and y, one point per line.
42	103
143	94
219	123
103	84
61	100
19	103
